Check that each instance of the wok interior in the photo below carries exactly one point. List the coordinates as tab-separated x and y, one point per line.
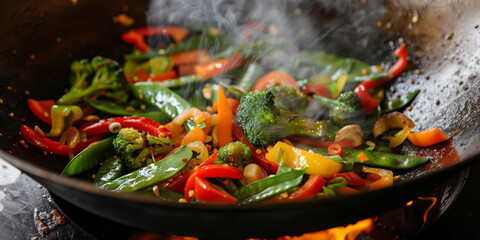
43	39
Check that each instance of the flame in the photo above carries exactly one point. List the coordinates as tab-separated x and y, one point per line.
425	214
350	232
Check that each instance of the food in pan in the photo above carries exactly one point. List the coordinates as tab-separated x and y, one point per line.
197	118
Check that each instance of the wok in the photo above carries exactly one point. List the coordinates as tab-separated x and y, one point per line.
41	39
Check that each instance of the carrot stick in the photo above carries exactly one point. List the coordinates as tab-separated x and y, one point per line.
224	119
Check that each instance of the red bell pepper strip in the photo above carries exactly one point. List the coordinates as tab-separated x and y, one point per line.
139	123
205	192
318	143
274	78
137	36
190	57
41	109
258	154
352	177
308	190
211	171
368	102
178	183
335	149
42	142
145	77
318	89
218	67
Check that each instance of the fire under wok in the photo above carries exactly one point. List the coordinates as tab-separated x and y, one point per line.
40	40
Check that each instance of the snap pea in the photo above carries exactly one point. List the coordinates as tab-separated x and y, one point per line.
89	158
191	81
163	193
111	169
152	174
249	76
389	106
254	50
165	100
269	187
379	159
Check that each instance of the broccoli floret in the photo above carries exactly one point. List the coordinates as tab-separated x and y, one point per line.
271	115
236	154
346	109
137	149
89	78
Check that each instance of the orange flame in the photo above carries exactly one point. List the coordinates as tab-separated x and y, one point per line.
350	232
425	214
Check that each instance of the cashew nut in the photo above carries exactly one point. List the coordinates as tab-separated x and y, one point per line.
350	132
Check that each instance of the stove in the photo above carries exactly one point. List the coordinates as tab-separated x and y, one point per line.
20	196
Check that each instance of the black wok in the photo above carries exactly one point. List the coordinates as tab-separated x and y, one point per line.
41	39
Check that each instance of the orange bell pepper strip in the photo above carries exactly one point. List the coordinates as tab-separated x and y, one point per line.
310	189
225	118
208	122
218	67
273	78
196	134
190	57
194	113
41	109
427	138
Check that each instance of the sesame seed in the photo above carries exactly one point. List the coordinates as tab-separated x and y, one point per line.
182	200
437	102
388	25
143	106
417	71
141	96
379	24
272	29
427	77
412	81
415	19
156	191
409	108
45	153
213	31
191	193
364	72
298	11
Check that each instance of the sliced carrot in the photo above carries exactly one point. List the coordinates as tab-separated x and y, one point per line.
427	138
218	67
41	109
190	57
196	134
363	157
174	129
177	139
224	120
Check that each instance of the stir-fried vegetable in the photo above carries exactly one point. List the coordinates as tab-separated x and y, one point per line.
202	120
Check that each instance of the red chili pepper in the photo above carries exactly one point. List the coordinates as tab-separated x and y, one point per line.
211	159
139	123
317	143
335	149
41	109
318	89
205	192
258	154
137	36
352	178
42	142
368	102
308	190
145	77
211	171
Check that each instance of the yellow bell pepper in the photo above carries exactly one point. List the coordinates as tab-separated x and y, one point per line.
297	158
386	179
63	116
394	120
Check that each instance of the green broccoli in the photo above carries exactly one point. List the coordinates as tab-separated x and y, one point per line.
346	109
88	78
137	149
236	154
271	115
